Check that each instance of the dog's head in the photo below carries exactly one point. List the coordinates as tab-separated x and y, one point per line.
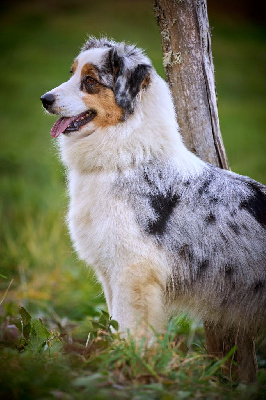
105	81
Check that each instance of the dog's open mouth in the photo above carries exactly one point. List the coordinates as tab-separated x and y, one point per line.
71	124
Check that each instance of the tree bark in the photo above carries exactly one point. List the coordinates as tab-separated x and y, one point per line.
187	59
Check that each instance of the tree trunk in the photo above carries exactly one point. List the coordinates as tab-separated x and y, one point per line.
187	59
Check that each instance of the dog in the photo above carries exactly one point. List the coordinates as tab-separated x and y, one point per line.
165	231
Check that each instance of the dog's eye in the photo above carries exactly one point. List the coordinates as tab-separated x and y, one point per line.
71	72
90	80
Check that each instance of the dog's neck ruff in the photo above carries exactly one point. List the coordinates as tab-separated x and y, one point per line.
150	132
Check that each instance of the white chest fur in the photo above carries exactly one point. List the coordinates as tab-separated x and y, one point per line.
102	226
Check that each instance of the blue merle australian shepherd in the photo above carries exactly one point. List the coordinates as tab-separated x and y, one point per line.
163	230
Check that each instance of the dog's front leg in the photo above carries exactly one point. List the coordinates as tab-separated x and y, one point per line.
138	301
107	290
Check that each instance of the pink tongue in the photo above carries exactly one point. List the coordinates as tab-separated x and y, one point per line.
60	125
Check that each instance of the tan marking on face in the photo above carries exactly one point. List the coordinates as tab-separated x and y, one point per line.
145	82
74	66
103	102
89	70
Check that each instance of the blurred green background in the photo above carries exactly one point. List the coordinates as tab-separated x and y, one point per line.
38	42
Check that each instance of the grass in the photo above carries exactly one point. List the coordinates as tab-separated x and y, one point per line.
38	42
109	367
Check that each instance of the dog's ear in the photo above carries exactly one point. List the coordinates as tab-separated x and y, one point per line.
129	78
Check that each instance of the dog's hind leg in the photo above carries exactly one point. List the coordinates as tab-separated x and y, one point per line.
139	301
219	341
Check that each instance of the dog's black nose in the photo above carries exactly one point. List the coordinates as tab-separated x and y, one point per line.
47	99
